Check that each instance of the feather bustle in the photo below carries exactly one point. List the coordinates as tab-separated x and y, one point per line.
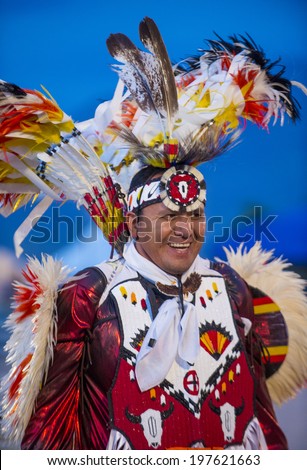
272	275
30	346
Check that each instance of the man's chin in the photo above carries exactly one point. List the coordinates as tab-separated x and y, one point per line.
180	266
176	270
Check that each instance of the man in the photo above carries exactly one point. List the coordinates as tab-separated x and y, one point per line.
168	360
158	348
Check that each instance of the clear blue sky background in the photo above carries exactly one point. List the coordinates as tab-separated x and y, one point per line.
61	45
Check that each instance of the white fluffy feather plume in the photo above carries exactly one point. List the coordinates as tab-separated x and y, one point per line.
287	289
33	327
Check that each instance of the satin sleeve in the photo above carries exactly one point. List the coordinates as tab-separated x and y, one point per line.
242	298
57	420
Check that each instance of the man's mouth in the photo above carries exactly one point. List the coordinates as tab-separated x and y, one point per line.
180	245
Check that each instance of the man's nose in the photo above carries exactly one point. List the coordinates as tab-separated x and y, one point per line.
183	227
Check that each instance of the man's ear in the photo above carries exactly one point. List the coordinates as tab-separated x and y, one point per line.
132	220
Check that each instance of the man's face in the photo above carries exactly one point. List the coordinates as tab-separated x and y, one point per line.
171	240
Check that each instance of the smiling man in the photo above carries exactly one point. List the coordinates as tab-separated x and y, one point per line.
169	238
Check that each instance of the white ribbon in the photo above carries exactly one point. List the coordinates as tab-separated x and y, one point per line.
27	225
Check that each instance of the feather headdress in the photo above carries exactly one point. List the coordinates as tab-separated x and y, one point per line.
210	96
161	115
190	113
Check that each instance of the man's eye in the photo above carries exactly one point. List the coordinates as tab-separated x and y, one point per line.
169	216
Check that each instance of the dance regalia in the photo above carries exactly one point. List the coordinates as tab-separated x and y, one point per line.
208	404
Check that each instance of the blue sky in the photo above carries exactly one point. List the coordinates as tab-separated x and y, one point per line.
61	45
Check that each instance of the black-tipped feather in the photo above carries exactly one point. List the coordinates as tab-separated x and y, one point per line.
148	76
11	89
133	73
123	50
152	40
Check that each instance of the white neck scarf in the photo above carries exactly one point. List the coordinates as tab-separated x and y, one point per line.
171	336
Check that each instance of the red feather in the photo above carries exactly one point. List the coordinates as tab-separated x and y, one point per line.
20	372
26	295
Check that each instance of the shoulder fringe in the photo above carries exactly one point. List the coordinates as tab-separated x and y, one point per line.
259	269
33	327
